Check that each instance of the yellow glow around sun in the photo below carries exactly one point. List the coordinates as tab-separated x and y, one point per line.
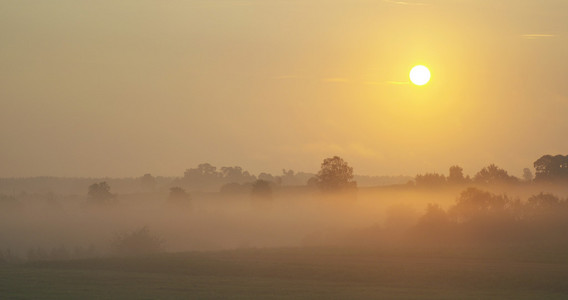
420	75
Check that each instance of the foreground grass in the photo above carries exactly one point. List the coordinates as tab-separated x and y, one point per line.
294	274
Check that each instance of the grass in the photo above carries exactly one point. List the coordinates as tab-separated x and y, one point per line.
294	273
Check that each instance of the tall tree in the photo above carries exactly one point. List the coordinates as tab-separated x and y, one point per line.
99	193
493	175
335	175
148	182
550	167
456	175
178	196
261	190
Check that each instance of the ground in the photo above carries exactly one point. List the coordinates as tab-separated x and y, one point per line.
296	273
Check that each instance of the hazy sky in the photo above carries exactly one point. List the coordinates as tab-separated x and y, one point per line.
122	88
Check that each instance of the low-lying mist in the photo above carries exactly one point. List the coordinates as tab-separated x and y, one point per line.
48	226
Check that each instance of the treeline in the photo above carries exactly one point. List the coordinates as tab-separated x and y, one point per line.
205	177
491	174
208	178
548	168
479	216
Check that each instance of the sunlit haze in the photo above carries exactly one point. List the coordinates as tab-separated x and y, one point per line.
123	88
283	149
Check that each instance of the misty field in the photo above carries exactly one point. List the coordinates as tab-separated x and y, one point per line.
298	273
432	238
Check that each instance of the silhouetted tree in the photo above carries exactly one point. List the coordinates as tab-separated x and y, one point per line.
474	203
543	201
148	182
236	174
291	178
178	196
288	177
435	217
202	170
493	175
335	175
550	167
430	180
266	177
549	213
99	193
456	175
205	176
434	226
261	190
138	242
312	182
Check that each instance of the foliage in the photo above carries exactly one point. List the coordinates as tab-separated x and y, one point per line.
435	216
137	242
261	190
545	206
550	168
456	175
335	175
430	179
178	196
493	175
99	193
148	182
208	177
474	203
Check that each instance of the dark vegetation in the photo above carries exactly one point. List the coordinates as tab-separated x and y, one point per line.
137	242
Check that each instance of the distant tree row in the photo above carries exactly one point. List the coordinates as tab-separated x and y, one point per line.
334	175
491	174
207	177
548	168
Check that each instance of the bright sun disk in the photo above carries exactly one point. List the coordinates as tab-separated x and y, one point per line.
420	75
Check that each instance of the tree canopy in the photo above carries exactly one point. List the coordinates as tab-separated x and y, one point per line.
335	174
100	193
550	167
492	174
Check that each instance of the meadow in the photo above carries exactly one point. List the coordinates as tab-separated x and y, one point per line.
298	273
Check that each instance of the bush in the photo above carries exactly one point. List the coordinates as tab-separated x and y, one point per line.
137	242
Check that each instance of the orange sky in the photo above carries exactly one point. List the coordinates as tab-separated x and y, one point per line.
122	88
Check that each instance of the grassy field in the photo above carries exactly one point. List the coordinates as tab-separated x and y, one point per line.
296	273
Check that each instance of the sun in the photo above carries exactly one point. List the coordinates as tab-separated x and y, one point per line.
420	75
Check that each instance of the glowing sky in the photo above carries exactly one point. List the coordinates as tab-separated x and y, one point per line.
122	88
